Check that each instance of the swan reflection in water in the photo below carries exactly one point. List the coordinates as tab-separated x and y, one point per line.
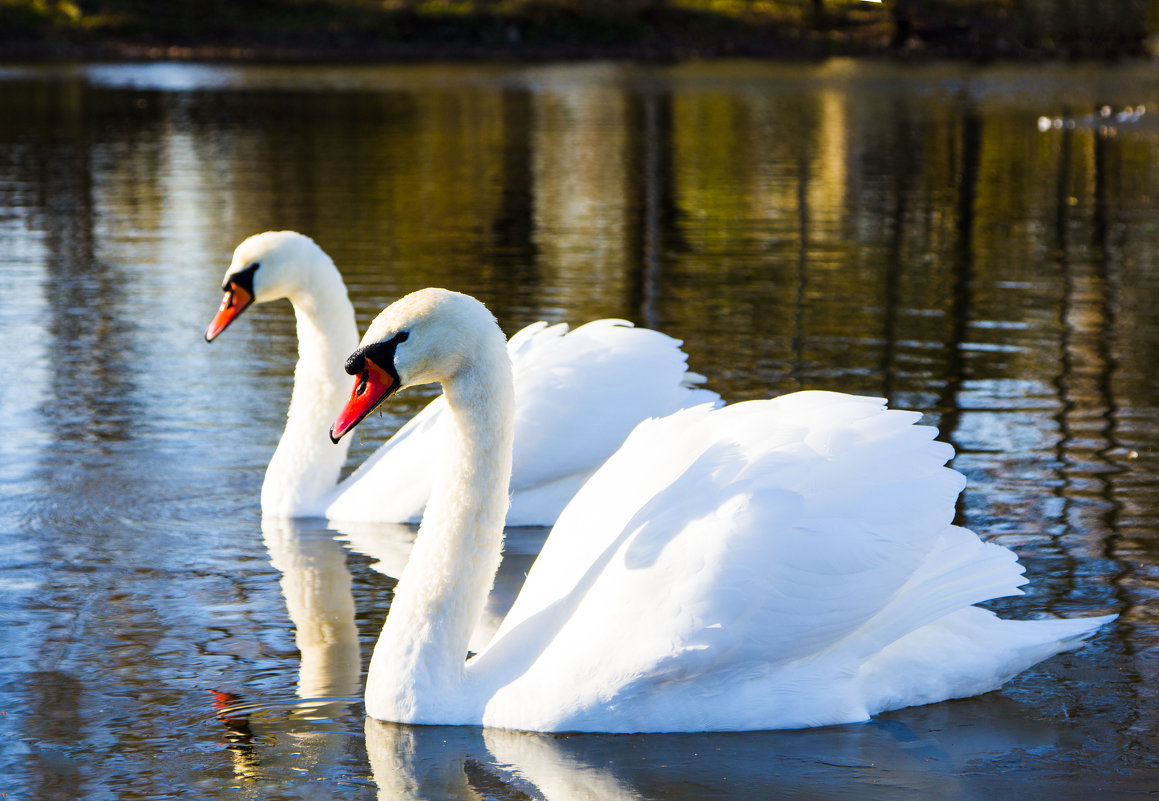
917	751
317	587
921	753
265	736
310	554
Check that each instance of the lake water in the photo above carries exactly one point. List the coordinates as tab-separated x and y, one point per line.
914	233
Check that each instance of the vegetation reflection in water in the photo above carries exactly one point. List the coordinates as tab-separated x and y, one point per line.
841	226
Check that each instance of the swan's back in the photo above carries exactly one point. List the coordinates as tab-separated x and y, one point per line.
744	567
579	394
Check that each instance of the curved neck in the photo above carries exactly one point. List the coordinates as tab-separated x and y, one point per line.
417	669
306	465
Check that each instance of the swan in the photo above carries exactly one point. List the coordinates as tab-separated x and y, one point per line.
579	394
389	545
778	563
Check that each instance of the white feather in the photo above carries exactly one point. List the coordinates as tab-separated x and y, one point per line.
772	564
578	395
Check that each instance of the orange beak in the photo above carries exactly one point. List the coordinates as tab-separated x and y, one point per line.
371	387
237	299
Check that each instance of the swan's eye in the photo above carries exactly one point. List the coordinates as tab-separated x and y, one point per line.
242	278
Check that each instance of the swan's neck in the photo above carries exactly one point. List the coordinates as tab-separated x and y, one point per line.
416	673
305	466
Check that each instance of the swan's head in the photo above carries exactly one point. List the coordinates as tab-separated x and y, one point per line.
265	267
427	336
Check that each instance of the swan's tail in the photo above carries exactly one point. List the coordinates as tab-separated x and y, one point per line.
969	652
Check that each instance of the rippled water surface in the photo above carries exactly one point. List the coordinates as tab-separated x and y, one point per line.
916	234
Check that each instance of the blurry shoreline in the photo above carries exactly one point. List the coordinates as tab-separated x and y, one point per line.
566	30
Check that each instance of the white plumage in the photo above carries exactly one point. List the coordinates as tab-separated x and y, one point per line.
579	394
772	564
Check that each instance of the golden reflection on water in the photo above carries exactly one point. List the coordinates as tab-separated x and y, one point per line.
866	228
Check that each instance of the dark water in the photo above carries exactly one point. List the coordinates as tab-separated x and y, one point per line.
912	234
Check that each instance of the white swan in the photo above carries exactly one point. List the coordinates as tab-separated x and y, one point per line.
578	394
771	564
389	546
